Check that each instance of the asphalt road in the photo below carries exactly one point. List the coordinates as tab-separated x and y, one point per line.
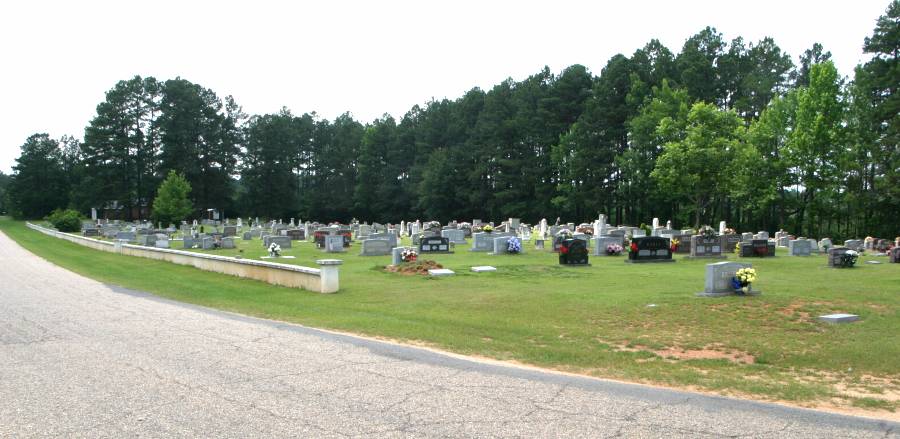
79	358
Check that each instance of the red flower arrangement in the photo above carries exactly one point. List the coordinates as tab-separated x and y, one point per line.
634	247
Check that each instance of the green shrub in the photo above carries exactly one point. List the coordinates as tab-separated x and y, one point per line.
68	220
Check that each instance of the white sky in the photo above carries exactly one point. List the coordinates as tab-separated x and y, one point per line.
366	57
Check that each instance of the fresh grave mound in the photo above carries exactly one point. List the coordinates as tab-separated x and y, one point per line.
412	268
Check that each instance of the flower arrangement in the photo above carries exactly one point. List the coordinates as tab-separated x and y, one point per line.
633	247
848	259
487	228
743	279
673	245
408	255
565	234
514	246
729	231
614	250
274	250
707	232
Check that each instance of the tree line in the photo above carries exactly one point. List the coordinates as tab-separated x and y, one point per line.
729	130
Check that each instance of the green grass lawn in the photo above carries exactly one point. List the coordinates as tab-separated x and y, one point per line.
592	320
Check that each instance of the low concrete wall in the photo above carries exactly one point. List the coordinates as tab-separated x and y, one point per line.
323	280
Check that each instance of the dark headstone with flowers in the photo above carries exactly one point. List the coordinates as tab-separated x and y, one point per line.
650	249
573	252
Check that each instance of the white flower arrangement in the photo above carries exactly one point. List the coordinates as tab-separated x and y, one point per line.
274	250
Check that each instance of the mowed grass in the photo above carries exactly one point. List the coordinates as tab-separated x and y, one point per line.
593	320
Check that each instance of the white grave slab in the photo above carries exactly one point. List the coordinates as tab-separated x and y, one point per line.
441	272
483	269
839	318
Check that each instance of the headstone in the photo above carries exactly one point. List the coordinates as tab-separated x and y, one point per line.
746	237
440	272
719	276
391	238
434	244
573	252
247	236
375	247
187	242
655	223
895	255
207	243
229	231
757	248
762	235
484	242
650	249
730	242
582	236
228	242
282	241
854	244
539	243
604	241
162	243
722	227
334	243
455	236
126	236
825	244
706	247
799	247
513	224
91	232
639	233
295	234
836	257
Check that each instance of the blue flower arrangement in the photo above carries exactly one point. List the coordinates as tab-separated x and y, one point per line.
514	245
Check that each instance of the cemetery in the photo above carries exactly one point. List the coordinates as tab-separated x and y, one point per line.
573	303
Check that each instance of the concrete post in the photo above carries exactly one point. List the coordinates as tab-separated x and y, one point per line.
329	275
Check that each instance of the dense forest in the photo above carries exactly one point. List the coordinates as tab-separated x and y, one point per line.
731	130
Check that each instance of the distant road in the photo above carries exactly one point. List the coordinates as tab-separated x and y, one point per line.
82	359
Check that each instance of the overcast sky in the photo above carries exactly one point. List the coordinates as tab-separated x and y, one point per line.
367	57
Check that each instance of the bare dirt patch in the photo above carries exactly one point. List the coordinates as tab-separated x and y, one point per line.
413	268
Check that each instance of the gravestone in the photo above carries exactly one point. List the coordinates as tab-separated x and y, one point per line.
434	244
854	244
639	233
513	224
718	279
390	237
440	272
825	244
895	255
603	241
650	249
126	236
247	236
582	236
91	232
761	235
455	236
799	247
283	241
375	247
684	243
746	237
319	237
782	241
484	242
295	234
838	318
227	242
706	247
836	256
501	245
757	248
161	243
229	231
188	242
573	252
207	243
730	242
334	243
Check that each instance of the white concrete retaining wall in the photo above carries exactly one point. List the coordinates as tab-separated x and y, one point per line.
323	280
